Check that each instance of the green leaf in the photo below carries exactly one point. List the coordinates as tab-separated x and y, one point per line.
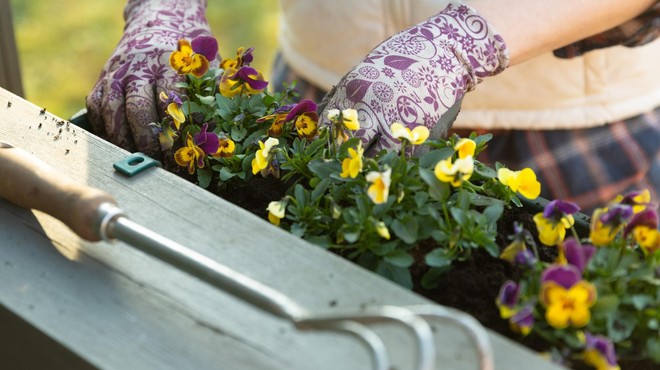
320	189
437	189
620	327
226	107
383	249
238	133
432	277
431	158
206	100
653	347
324	168
493	212
459	215
397	274
204	177
226	174
640	301
606	304
439	257
406	229
400	258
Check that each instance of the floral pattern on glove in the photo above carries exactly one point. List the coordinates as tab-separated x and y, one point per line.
418	74
125	99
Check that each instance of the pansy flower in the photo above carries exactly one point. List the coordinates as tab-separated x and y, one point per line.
351	166
644	228
607	222
245	79
454	173
379	189
416	136
566	297
507	299
166	136
576	254
264	156
344	120
207	141
523	321
465	147
279	119
173	107
557	216
243	58
305	118
190	156
276	211
194	57
226	148
639	200
516	252
599	352
523	182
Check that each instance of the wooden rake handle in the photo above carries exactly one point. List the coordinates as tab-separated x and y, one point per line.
28	182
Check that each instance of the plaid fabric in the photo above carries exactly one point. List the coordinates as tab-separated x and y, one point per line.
636	32
588	166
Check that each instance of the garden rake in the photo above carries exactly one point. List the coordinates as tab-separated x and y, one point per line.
93	215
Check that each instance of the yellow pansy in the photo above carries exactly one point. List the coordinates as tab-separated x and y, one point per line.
465	147
379	189
184	60
454	173
276	211
416	136
262	157
523	181
351	166
552	232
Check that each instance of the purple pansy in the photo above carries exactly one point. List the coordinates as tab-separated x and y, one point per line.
303	106
564	275
509	294
523	320
647	217
247	74
524	258
603	346
207	141
577	254
206	46
616	214
556	209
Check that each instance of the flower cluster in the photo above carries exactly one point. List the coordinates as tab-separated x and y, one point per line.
600	295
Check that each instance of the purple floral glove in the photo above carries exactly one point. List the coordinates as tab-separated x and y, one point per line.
125	100
418	74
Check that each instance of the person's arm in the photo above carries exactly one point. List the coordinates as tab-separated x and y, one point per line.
534	27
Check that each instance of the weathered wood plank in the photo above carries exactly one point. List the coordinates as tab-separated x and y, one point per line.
117	308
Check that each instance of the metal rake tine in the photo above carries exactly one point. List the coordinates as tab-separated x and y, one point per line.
418	327
469	324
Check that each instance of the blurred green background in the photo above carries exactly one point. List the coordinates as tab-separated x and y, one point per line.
64	44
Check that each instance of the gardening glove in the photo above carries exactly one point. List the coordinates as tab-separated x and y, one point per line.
418	74
125	100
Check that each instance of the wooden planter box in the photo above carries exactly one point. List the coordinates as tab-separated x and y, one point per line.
67	303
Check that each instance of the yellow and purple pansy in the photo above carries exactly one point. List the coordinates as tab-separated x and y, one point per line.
305	118
566	297
244	79
190	155
574	253
557	216
173	104
599	352
607	222
193	57
644	228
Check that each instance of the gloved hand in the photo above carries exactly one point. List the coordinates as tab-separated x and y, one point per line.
418	74
125	100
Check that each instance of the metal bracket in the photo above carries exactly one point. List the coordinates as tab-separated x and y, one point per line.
134	164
